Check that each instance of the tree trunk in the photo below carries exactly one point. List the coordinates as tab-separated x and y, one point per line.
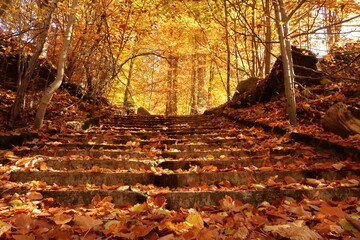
201	94
228	59
24	83
211	82
288	69
128	100
267	52
193	100
171	104
49	92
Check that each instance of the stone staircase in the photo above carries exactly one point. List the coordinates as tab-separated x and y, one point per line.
191	160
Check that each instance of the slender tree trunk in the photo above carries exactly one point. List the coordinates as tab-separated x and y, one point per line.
49	92
211	82
267	38
171	104
128	100
228	57
193	100
24	83
288	69
201	94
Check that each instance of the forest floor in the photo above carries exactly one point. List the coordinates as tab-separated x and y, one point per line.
30	215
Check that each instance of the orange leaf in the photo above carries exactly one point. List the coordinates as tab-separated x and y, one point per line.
34	195
87	223
62	219
332	211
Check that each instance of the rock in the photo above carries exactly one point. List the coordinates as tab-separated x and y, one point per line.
273	84
142	111
342	119
244	86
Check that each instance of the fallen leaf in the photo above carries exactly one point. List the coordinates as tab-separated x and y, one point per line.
344	223
195	220
86	223
62	219
34	196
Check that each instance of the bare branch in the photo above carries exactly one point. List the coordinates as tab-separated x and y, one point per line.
295	9
320	28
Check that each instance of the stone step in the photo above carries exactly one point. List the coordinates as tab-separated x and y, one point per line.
84	197
106	164
65	163
240	178
144	136
230	163
61	152
172	180
131	145
193	199
91	153
76	178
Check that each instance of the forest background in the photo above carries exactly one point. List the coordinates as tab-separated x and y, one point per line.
169	56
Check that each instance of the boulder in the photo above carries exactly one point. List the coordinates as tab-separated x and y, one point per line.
273	84
143	112
244	86
342	119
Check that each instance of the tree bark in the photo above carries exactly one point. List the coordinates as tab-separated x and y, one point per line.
267	52
24	83
49	92
228	59
201	94
128	100
288	68
171	104
193	100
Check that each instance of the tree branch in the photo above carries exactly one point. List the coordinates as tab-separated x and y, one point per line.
139	55
320	28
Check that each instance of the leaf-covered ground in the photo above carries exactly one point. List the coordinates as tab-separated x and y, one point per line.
31	216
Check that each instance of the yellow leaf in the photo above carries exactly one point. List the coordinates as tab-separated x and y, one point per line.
9	153
338	166
4	227
137	208
16	202
348	226
229	231
195	220
110	223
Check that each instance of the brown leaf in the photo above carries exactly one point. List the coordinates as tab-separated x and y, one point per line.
86	223
62	219
289	180
34	196
23	237
332	211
